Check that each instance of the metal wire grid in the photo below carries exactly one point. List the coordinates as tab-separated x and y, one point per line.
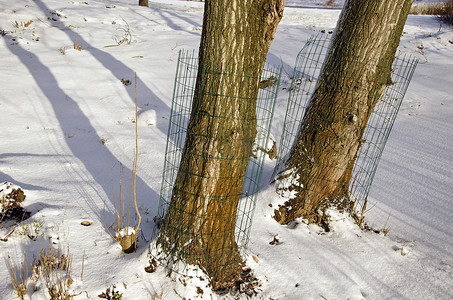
378	130
306	73
184	88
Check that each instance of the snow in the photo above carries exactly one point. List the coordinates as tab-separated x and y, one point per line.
67	118
148	117
125	232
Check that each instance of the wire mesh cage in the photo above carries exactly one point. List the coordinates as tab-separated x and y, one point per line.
306	76
236	218
378	130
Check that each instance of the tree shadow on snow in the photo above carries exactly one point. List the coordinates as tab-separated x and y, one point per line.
85	145
26	186
116	67
177	27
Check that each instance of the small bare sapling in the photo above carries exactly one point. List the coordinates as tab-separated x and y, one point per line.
125	234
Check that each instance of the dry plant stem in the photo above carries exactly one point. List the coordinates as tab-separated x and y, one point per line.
103	211
83	264
120	221
130	202
56	270
136	159
77	46
5	239
119	212
19	284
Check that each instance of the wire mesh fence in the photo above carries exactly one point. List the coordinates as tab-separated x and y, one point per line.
197	223
378	130
306	76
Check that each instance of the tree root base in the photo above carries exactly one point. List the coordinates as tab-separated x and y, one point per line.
247	284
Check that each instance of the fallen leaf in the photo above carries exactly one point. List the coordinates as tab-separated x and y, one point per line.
86	223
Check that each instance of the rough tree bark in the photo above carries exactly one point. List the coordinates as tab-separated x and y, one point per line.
356	71
143	2
201	217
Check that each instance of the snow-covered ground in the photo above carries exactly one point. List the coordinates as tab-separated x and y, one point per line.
67	119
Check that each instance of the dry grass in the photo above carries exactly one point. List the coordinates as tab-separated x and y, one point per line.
126	238
22	24
427	9
157	296
55	268
125	37
19	276
329	3
77	46
443	10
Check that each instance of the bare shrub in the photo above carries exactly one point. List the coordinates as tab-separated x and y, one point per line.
427	9
447	14
443	10
11	198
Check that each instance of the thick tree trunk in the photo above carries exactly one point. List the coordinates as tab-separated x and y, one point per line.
200	223
355	73
143	2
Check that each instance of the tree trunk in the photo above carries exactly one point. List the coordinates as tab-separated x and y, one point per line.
200	223
356	70
143	2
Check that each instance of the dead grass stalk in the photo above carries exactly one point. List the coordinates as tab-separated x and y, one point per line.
123	233
19	275
55	267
